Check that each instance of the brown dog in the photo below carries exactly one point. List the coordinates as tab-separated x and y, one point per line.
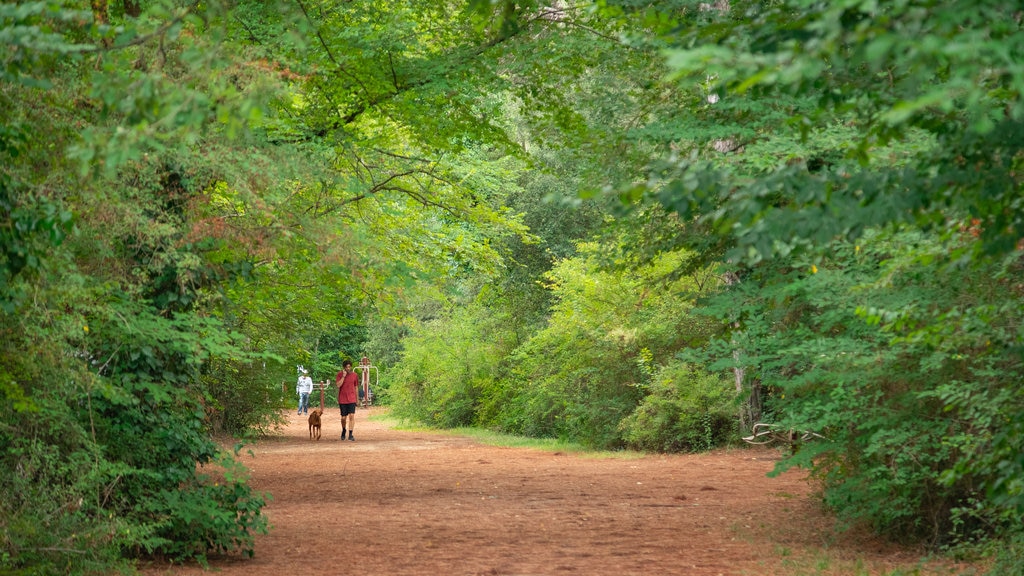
314	423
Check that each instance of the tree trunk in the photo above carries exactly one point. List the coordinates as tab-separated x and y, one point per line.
751	411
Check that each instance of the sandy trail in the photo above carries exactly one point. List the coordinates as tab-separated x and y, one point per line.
406	502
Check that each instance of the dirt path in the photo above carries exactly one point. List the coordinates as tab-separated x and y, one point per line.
399	502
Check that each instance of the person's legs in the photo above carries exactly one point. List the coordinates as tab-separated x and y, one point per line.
348	420
303	401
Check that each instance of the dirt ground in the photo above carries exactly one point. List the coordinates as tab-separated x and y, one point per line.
397	502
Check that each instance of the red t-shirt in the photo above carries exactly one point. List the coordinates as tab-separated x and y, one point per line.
347	382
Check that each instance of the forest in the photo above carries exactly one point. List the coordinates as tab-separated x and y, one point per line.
628	224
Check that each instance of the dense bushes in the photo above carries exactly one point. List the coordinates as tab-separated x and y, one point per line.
242	399
448	363
585	376
106	329
1009	555
911	380
877	297
95	473
685	410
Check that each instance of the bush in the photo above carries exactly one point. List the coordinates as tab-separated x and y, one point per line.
686	410
913	381
210	513
242	401
1009	557
47	519
445	366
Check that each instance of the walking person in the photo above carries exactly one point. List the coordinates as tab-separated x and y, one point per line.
304	387
347	381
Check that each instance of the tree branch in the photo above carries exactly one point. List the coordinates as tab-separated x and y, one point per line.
373	102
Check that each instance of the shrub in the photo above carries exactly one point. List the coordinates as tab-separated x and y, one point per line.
241	400
446	364
686	410
1009	558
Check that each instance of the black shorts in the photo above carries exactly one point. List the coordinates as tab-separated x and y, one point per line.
347	409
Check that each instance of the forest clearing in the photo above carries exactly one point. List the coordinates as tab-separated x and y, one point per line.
400	502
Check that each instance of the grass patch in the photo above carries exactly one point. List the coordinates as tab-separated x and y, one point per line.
492	438
827	563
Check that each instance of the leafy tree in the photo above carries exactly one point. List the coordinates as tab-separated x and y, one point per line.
107	287
889	73
184	209
889	180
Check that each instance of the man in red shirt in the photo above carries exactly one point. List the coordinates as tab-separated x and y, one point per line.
347	380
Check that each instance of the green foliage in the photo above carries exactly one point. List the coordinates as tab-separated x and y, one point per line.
197	198
107	290
858	174
34	33
890	74
84	472
446	364
582	367
209	515
48	484
234	390
1009	556
867	363
685	410
577	378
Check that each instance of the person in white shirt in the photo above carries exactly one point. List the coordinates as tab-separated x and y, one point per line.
304	388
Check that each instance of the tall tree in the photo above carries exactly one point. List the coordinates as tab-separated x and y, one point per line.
901	144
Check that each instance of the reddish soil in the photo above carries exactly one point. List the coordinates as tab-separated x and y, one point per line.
399	502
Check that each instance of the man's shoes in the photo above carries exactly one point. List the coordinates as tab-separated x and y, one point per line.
351	439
